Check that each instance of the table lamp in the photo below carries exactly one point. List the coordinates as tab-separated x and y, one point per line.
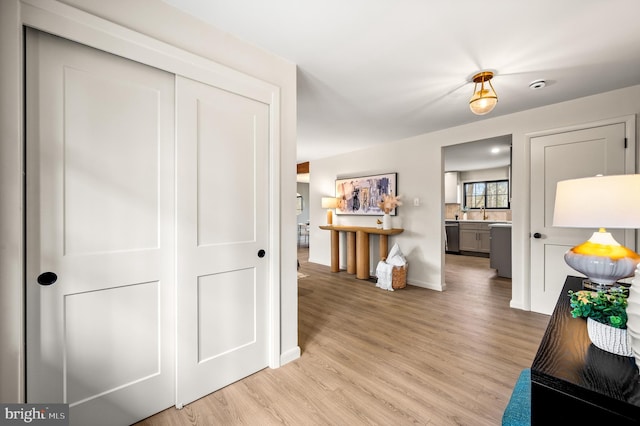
600	202
329	203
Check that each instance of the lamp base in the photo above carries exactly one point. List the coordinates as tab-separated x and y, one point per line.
590	285
602	259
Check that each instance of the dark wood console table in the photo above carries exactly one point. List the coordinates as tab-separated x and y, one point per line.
573	379
357	247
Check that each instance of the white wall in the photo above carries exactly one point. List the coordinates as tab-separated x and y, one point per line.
484	174
162	22
418	161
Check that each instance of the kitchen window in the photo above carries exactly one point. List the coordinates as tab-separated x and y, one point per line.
487	195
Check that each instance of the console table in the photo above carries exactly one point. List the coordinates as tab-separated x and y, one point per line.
357	247
573	379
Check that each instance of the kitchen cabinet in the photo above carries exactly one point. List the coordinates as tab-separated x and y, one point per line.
451	193
501	249
475	236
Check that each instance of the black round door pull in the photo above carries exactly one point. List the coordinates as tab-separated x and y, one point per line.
537	235
261	253
47	278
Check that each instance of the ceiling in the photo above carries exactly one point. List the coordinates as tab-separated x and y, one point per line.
482	154
375	71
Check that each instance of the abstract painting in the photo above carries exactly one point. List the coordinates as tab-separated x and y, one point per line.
360	195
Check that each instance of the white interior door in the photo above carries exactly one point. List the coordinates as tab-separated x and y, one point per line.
100	215
567	155
223	222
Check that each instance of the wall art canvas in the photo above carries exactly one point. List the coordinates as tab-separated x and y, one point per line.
360	195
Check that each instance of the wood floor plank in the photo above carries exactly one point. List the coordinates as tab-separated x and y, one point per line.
375	357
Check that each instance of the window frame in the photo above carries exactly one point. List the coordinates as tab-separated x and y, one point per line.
486	182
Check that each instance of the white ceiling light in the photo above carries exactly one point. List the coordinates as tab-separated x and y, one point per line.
484	99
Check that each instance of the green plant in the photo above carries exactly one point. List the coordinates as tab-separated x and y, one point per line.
607	307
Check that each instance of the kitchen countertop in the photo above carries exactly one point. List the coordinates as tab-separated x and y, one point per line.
491	222
500	225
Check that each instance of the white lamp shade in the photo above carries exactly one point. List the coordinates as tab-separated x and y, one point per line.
598	202
329	202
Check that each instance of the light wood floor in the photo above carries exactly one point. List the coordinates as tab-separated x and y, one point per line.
374	357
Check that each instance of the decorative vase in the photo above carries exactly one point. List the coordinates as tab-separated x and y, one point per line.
633	315
610	339
386	221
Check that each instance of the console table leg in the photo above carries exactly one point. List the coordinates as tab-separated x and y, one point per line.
335	251
362	256
383	245
358	250
351	252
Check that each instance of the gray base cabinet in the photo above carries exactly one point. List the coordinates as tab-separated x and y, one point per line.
500	258
475	236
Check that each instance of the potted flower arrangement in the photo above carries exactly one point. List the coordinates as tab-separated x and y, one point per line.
606	314
387	203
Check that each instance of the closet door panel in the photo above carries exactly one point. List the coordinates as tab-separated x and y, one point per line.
100	233
223	238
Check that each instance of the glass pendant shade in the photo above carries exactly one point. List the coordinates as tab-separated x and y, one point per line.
600	202
484	99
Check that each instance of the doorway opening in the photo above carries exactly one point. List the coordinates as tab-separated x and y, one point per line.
477	195
302	212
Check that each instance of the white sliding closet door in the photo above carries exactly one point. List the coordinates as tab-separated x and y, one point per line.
223	237
100	216
148	232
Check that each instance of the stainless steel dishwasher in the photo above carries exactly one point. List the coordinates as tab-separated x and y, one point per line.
453	236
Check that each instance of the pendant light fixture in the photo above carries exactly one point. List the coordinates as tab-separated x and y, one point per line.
484	99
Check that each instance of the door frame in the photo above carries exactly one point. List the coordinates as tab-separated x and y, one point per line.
630	167
76	25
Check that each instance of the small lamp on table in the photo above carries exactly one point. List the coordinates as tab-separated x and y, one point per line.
600	202
329	203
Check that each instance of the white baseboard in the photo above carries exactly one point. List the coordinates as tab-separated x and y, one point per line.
423	284
515	305
290	355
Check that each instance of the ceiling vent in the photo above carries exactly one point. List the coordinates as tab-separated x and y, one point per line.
538	84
